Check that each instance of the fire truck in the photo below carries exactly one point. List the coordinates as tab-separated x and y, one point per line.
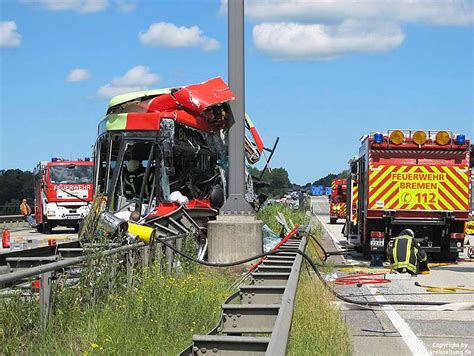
337	202
63	190
415	179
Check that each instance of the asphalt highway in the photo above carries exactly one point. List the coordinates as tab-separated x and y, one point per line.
403	330
32	237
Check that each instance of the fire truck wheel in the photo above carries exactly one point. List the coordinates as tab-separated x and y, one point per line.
332	220
46	228
80	227
449	256
39	228
366	249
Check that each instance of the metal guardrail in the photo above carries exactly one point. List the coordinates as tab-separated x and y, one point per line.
260	324
265	308
46	272
9	220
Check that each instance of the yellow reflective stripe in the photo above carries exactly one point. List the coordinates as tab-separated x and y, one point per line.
458	177
408	256
448	194
408	253
374	193
388	193
381	176
438	207
374	173
395	257
456	191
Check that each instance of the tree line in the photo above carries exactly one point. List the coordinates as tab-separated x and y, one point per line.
15	185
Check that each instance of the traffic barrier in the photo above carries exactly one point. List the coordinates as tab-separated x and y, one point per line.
12	220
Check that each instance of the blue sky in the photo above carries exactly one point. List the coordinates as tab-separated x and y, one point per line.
318	75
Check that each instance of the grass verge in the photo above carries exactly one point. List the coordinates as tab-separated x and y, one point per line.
158	316
269	213
317	327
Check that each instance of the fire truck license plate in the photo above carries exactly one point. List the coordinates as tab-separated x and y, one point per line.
377	242
73	217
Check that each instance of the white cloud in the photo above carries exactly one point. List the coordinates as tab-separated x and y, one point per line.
439	12
164	34
78	75
136	79
82	6
9	38
293	41
125	6
319	29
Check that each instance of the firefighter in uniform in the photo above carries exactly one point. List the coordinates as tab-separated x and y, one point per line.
133	179
406	255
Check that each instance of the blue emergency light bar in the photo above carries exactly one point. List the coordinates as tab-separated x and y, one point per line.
378	137
460	139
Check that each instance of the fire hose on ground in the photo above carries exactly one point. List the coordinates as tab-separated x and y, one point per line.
314	268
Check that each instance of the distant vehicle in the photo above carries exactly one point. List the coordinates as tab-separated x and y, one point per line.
337	202
63	190
410	179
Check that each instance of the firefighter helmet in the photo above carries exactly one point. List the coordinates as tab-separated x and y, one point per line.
408	232
132	165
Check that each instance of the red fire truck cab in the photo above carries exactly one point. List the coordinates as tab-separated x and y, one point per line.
63	190
416	179
338	197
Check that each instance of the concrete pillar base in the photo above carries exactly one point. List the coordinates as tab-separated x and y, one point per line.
234	237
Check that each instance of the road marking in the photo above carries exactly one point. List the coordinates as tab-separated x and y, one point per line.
337	243
409	337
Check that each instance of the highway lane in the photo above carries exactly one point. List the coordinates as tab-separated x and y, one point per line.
27	233
405	330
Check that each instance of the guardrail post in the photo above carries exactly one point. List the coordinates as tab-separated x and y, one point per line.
158	252
169	258
145	251
45	298
112	262
179	246
130	265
